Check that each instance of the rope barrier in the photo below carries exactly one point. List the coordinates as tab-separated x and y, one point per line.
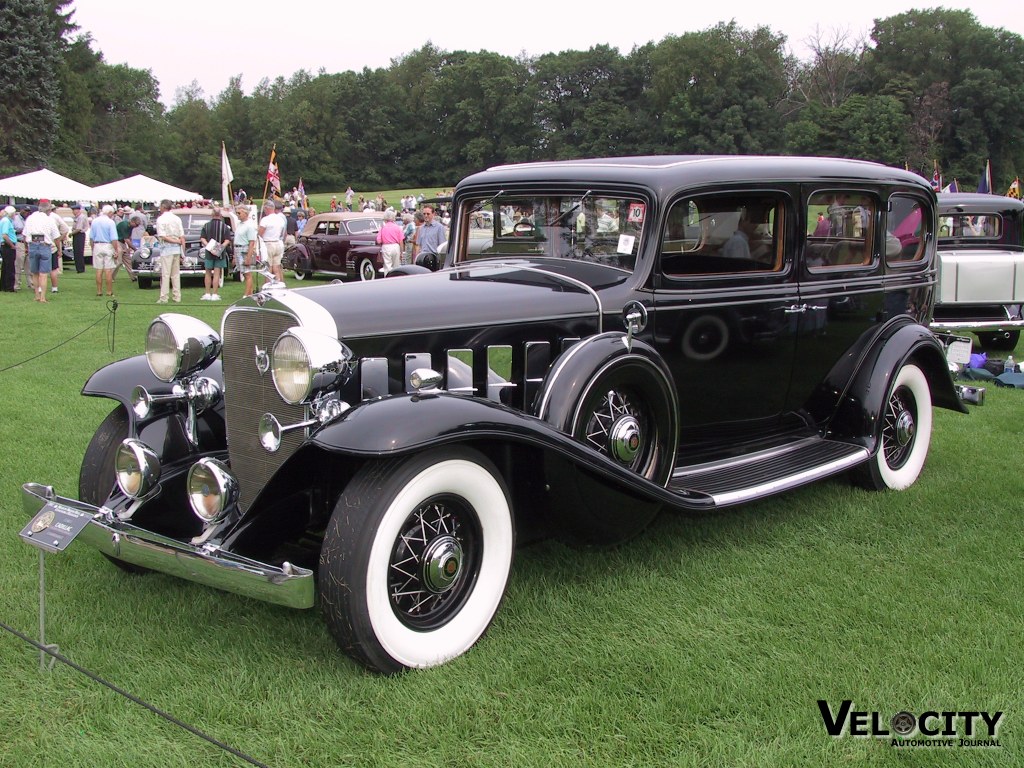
131	697
110	317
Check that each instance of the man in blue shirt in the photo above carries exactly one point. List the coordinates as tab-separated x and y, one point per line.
428	239
105	249
8	239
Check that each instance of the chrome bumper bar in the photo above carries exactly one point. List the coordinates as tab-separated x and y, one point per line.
286	585
985	326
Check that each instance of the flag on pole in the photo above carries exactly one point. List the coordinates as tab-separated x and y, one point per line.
273	176
1014	190
951	187
985	185
302	194
936	178
226	176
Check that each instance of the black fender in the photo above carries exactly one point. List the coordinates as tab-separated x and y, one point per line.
296	257
164	429
858	417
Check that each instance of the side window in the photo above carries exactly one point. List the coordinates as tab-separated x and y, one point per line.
724	235
840	230
333	227
321	228
907	230
361	226
970	227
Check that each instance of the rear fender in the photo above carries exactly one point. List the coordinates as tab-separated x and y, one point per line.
859	415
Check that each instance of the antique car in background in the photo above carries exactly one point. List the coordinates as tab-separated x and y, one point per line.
342	244
981	268
146	261
650	333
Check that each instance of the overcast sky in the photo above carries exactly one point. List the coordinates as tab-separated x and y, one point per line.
210	41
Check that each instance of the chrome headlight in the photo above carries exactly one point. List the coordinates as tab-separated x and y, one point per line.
137	468
212	489
305	363
179	345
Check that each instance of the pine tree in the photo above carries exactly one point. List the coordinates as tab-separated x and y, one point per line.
30	52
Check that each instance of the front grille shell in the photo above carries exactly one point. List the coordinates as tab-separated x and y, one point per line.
248	394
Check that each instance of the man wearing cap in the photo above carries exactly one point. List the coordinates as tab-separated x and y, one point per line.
273	227
8	238
103	235
78	230
40	234
170	233
124	237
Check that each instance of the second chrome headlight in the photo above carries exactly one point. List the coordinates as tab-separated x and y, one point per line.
180	345
305	363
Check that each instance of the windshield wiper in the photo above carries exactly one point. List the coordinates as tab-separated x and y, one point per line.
479	206
562	216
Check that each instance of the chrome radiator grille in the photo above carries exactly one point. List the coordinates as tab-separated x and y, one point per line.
248	394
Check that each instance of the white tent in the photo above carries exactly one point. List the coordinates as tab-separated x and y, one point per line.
44	183
140	189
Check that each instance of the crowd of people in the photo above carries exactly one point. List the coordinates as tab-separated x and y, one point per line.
33	240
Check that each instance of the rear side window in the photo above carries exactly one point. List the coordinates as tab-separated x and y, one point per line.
841	228
907	230
966	226
723	235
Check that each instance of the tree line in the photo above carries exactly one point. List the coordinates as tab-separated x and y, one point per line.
929	87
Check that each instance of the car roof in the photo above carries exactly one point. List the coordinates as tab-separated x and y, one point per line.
667	172
973	202
345	216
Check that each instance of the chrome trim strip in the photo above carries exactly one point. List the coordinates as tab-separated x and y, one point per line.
287	585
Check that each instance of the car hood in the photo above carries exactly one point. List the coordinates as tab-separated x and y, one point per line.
470	296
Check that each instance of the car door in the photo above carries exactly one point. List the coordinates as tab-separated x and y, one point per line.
725	312
841	296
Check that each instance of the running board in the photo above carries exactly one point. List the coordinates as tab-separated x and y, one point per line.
733	481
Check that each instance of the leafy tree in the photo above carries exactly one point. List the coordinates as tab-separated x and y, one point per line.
718	91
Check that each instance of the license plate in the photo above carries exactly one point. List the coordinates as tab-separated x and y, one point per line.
959	351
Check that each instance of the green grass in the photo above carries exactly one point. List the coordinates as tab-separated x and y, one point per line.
706	641
322	202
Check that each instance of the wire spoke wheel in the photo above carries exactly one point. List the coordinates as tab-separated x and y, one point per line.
434	563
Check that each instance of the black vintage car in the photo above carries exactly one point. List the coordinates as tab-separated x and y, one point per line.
343	245
618	337
981	268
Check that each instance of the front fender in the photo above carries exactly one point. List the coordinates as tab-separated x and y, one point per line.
409	423
164	430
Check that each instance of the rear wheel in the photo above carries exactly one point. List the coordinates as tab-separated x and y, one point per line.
1001	341
96	477
416	558
906	434
300	275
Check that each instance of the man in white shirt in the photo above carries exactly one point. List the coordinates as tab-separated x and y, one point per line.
40	234
272	229
170	234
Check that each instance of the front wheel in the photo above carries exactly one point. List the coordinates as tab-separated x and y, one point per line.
906	434
301	275
416	558
367	271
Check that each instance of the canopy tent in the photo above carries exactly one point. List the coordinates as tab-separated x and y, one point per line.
44	183
141	189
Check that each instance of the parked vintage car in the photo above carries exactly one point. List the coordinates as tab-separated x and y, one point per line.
146	262
664	335
981	268
342	244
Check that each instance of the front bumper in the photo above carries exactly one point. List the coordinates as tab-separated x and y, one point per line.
286	585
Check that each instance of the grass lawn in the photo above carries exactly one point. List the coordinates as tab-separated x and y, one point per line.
322	201
706	641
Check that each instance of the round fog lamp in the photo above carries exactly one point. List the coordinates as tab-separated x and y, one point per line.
212	489
136	468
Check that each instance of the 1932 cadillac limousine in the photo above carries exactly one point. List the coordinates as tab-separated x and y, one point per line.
622	336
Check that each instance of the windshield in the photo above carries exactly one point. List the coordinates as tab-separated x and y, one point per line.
597	228
968	226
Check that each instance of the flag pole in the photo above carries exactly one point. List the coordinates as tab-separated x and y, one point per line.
266	184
